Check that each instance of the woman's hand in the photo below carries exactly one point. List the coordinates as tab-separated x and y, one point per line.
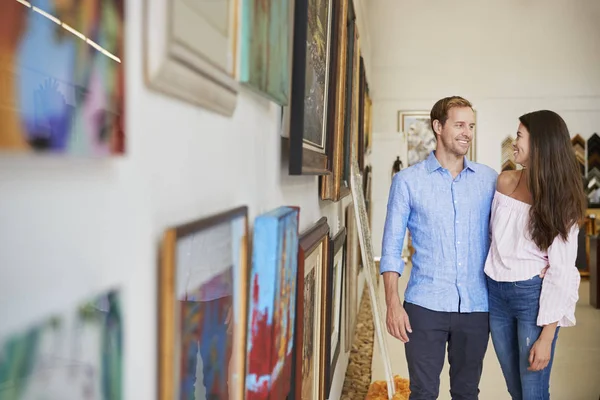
539	355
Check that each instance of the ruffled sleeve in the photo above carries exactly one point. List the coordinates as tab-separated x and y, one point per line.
560	288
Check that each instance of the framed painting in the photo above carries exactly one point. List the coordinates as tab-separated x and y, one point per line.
351	262
368	139
350	113
179	64
370	270
310	88
265	50
272	307
74	354
334	187
334	311
203	297
311	339
416	125
362	91
62	77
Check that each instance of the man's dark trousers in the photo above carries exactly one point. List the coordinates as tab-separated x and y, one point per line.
467	336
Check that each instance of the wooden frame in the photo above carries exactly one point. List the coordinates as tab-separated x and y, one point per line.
424	116
169	353
309	157
368	120
314	243
349	113
333	187
337	245
187	54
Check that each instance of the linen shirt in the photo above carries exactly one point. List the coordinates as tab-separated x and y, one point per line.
449	224
515	257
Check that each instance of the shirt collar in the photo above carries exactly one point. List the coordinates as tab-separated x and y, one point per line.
433	164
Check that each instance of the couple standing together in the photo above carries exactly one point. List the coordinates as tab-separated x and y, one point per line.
493	254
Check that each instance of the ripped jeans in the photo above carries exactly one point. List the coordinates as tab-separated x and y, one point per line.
513	310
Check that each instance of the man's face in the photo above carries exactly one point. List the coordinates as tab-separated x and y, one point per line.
456	134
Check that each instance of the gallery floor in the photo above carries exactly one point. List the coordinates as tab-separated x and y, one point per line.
575	371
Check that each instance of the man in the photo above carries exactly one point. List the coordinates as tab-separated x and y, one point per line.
445	202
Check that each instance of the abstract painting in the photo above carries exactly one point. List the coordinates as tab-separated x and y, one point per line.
310	87
416	125
311	340
203	308
76	354
62	77
265	54
272	305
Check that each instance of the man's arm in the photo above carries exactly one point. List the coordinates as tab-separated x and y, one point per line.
392	264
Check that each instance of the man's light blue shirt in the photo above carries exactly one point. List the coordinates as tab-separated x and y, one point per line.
449	224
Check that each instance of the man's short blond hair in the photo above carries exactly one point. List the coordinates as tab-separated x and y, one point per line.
442	107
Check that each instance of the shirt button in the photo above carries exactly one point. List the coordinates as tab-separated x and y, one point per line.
458	284
457	242
459	264
457	221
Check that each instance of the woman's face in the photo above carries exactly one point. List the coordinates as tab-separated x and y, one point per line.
521	146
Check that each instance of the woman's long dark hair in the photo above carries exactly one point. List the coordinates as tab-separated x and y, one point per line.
554	180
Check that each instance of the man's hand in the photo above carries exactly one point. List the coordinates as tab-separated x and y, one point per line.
397	321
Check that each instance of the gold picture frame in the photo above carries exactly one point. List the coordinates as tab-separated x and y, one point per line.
311	313
192	270
332	186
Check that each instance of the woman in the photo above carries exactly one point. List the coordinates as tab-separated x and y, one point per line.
536	215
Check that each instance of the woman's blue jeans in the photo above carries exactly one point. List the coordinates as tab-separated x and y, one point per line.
514	309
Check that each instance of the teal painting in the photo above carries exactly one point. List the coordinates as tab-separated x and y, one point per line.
265	46
74	355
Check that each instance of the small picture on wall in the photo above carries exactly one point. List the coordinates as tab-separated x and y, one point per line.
62	77
75	354
416	125
203	308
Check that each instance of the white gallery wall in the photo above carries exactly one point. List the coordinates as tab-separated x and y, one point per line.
70	228
507	57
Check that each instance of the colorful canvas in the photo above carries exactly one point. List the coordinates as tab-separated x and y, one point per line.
61	77
272	306
210	271
266	48
75	355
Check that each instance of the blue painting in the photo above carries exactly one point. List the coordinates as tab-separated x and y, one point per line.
266	48
272	305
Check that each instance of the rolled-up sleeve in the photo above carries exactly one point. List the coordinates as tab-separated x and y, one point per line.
398	211
560	288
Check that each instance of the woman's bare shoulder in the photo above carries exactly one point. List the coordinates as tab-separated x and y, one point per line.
507	181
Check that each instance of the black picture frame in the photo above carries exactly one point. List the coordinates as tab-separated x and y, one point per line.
306	158
336	244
